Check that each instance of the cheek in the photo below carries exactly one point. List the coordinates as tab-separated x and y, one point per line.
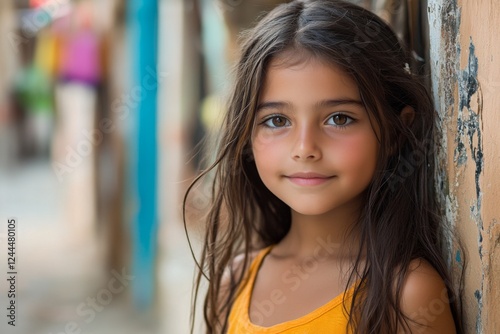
266	145
260	152
359	153
268	156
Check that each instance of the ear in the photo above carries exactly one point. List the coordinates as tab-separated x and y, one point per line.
407	115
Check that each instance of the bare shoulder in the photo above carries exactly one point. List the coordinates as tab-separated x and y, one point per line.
424	299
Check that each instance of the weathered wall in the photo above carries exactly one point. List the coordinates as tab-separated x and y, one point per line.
7	45
465	61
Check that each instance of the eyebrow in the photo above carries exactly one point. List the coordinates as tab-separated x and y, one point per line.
320	104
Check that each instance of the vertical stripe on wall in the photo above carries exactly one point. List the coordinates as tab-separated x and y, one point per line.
143	25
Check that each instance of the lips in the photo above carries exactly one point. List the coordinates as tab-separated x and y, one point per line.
308	178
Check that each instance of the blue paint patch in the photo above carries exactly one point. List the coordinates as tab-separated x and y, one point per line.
460	151
478	295
470	125
468	86
468	82
458	257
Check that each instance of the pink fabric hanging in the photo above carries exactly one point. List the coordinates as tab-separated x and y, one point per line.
81	58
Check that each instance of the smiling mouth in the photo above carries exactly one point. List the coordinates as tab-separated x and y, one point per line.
309	181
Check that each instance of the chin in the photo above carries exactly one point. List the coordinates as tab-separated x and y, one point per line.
309	210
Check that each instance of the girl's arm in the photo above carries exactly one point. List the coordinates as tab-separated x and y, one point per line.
424	299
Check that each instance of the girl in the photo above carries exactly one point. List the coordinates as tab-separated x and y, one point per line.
323	216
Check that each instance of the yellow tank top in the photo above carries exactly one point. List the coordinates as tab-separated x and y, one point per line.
329	318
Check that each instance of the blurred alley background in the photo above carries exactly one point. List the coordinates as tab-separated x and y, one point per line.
104	105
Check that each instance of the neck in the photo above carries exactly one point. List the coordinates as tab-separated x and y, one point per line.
331	234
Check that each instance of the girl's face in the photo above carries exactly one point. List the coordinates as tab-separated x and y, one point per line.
313	143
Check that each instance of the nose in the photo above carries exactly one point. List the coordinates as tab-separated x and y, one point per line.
306	145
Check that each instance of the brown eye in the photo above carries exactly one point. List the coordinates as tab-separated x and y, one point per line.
340	119
278	121
275	122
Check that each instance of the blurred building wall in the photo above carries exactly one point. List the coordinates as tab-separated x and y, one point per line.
465	59
240	15
8	47
8	67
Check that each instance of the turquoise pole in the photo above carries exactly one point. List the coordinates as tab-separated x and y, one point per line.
143	25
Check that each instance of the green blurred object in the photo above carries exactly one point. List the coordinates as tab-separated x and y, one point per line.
34	90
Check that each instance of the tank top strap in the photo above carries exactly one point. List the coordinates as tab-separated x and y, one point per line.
254	267
247	284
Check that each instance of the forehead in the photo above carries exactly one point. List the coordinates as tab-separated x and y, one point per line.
306	78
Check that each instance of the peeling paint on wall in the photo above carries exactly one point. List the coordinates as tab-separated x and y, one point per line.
460	161
444	17
465	70
469	140
469	126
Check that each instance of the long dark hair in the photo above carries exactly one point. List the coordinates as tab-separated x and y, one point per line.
401	220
